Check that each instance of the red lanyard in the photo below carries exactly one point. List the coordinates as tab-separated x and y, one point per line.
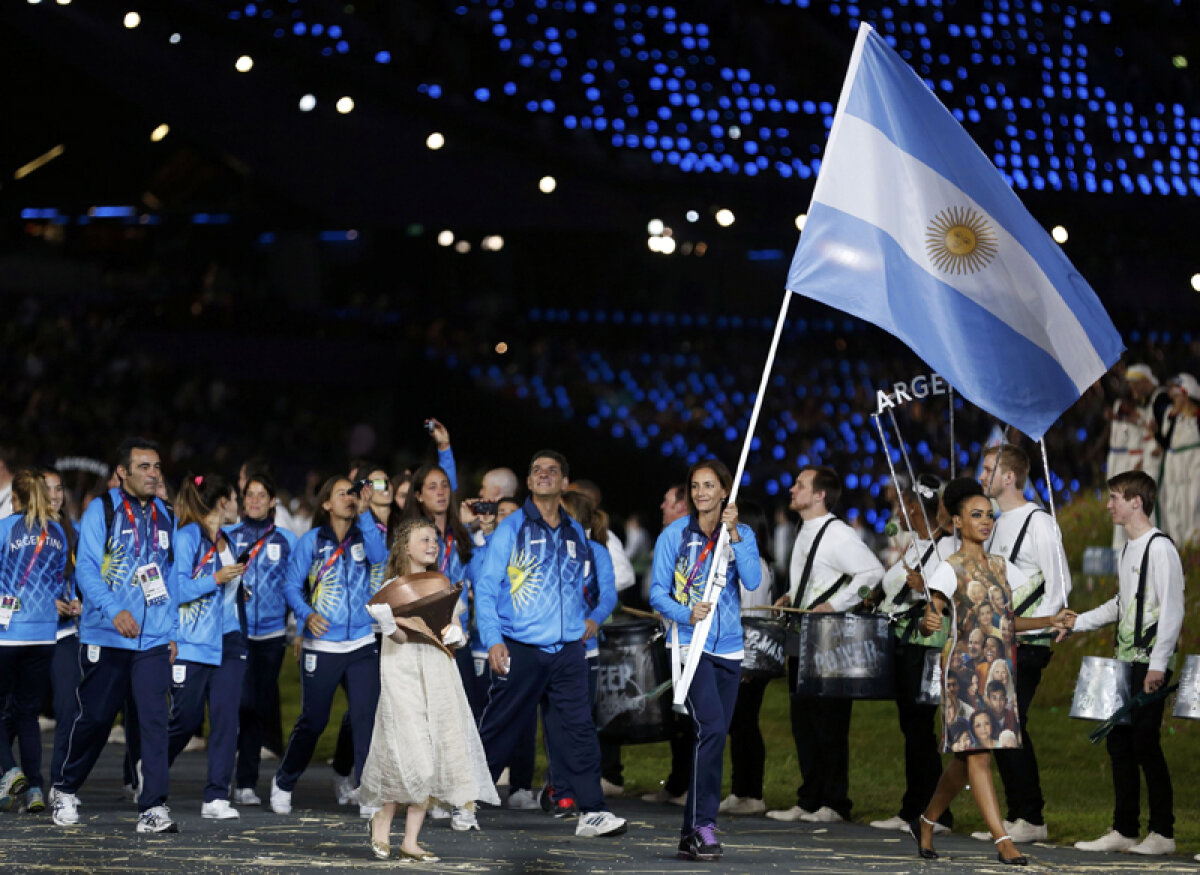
445	563
41	542
137	538
211	550
258	545
695	572
332	558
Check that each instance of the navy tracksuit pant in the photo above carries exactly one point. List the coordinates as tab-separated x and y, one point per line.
65	675
24	671
195	684
259	721
109	675
320	674
560	682
710	701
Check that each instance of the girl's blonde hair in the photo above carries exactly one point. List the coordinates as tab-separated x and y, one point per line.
30	489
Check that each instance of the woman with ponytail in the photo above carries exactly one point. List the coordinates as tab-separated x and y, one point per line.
31	578
211	662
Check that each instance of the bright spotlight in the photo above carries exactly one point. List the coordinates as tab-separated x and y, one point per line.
1196	282
174	39
159	134
667	246
492	243
462	247
692	216
60	2
445	238
547	184
654	244
655	227
345	105
244	64
132	20
734	132
725	218
801	220
1059	233
435	141
308	103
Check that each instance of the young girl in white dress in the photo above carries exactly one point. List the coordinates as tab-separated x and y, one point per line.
425	747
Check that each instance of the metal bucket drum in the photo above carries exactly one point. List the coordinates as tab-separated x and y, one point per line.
931	678
1187	701
763	640
845	656
633	700
1103	688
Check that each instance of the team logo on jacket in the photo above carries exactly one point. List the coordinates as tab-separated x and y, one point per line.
571	549
178	674
93	653
116	566
358	553
310	663
274	552
164	539
524	578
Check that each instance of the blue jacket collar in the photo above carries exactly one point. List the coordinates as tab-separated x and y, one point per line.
532	513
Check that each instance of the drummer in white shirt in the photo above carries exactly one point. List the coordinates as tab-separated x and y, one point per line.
1148	611
1027	536
830	566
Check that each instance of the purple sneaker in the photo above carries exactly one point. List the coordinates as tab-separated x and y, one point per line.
700	845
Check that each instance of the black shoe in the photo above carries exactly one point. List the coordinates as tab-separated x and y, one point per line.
914	830
1013	861
566	809
700	845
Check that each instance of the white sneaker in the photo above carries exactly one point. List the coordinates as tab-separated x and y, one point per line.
218	809
608	788
265	754
437	812
344	788
664	795
1110	841
463	820
64	808
116	735
1154	845
600	823
789	814
1022	831
46	724
824	814
521	800
12	785
156	819
195	744
896	823
503	780
281	800
366	812
246	796
746	805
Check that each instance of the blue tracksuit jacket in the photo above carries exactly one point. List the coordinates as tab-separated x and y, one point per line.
31	569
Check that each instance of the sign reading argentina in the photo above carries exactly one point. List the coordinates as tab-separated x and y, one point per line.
913	229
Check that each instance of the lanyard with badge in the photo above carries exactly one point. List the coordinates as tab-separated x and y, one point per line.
694	574
445	564
333	557
149	575
10	604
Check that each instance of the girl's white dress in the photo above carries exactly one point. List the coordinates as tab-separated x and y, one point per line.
425	746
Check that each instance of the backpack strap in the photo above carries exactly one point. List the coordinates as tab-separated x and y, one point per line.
808	565
1142	638
1016	547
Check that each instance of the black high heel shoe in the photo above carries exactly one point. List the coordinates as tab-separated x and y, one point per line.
1019	860
914	830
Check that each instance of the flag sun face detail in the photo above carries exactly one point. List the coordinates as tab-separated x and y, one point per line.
960	240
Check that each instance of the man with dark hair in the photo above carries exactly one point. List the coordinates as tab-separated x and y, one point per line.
123	571
830	567
530	609
1027	536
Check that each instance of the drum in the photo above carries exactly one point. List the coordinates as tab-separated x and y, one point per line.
931	678
633	700
844	656
1187	702
763	640
1102	689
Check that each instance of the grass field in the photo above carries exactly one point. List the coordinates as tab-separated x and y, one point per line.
1076	778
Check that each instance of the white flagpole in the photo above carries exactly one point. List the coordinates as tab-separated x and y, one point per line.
720	560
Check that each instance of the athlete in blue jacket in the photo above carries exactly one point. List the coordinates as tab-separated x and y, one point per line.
683	555
532	615
267	549
129	613
211	663
31	578
328	585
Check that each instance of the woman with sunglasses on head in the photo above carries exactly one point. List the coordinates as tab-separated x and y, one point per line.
971	514
267	548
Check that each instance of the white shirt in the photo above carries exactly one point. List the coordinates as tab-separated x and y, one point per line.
897	575
6	501
1163	602
1041	554
622	569
840	552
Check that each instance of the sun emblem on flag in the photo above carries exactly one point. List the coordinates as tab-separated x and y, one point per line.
960	240
524	578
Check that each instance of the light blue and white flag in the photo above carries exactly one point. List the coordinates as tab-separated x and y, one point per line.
913	229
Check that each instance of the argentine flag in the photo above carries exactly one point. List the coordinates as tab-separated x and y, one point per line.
913	229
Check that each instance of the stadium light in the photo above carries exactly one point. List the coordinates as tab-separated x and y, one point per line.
692	216
654	227
244	64
132	20
725	218
1059	233
547	184
801	221
445	238
308	103
435	141
462	247
160	133
1196	282
345	105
